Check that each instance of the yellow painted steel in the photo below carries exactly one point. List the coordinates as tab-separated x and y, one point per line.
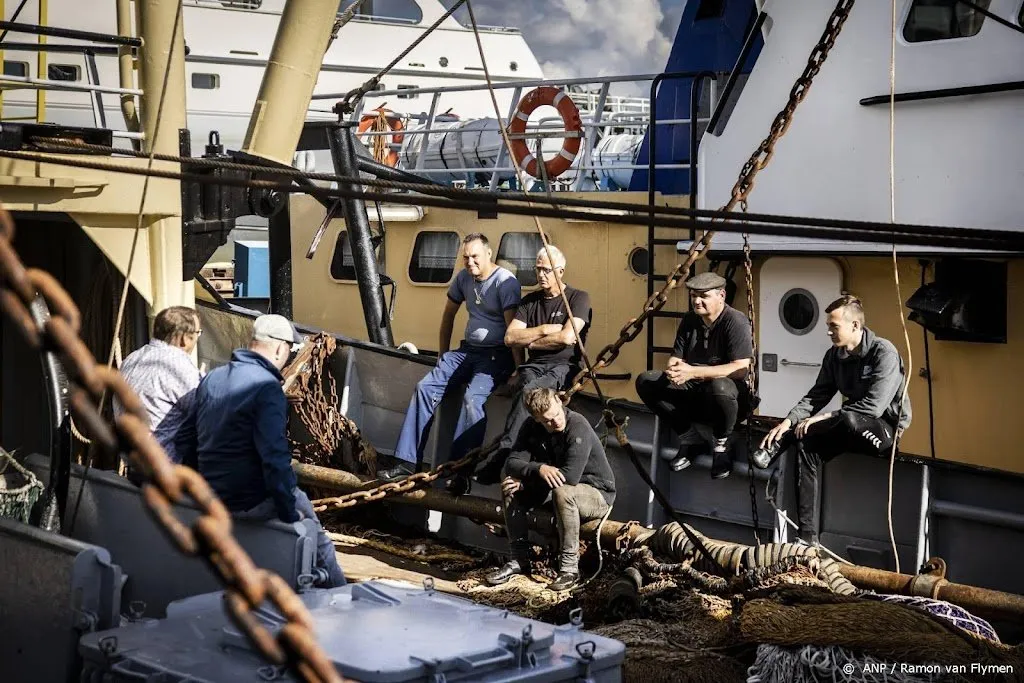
41	70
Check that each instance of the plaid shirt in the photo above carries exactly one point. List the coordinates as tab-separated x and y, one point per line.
165	379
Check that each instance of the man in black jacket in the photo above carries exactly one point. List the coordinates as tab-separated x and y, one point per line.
868	371
557	453
704	381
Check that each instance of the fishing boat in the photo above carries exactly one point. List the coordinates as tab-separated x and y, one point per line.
95	228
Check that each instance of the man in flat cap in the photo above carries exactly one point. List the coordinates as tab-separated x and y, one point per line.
704	381
235	435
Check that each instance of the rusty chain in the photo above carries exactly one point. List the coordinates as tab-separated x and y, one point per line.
210	537
410	483
752	378
740	191
320	410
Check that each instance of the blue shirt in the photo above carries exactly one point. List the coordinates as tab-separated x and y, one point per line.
486	303
234	435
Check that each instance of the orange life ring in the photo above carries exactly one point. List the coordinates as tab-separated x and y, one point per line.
560	100
369	121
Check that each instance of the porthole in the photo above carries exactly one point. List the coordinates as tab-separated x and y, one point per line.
798	311
638	261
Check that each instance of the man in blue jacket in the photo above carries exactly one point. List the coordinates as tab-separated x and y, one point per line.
868	372
235	436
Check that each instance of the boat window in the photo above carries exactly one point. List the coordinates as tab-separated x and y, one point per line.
64	72
798	311
205	81
433	256
942	19
409	96
242	4
18	69
399	11
343	267
710	9
518	253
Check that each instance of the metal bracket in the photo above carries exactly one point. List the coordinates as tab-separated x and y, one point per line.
586	651
930	579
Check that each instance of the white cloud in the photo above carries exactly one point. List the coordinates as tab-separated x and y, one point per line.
587	37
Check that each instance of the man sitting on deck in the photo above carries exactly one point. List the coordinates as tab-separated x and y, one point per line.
557	453
542	327
704	381
491	294
868	371
235	436
163	375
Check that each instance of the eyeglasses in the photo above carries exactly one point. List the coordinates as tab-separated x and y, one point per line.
541	270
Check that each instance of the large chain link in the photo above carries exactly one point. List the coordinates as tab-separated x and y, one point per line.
246	586
740	191
411	483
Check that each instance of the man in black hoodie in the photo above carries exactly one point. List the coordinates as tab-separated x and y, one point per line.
557	453
868	371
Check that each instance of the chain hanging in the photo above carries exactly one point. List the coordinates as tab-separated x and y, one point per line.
740	191
752	379
209	536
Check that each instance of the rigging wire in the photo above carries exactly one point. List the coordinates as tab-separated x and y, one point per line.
994	17
927	235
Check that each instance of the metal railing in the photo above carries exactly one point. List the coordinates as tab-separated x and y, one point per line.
600	111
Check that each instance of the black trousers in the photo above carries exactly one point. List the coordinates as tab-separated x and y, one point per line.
844	432
718	403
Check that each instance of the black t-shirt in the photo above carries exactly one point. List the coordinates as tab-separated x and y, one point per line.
537	309
725	340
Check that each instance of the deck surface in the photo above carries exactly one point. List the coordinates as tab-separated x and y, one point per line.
364	564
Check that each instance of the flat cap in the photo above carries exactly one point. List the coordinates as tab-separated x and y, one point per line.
701	282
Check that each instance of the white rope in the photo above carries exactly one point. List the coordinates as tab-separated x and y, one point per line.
813	664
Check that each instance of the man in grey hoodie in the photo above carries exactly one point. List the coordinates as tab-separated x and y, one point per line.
868	371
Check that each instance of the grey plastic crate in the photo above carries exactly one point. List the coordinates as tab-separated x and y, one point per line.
374	632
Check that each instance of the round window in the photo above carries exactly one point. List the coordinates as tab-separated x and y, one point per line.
798	311
638	261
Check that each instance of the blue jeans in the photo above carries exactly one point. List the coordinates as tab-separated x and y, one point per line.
326	558
480	370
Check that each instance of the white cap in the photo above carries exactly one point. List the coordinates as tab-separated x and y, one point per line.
273	327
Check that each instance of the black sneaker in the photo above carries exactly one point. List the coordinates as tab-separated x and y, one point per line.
564	581
502	575
721	464
399	471
682	459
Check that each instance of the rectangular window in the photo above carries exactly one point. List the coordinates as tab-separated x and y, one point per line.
205	81
18	69
242	4
710	9
433	257
342	265
64	72
409	96
518	253
942	20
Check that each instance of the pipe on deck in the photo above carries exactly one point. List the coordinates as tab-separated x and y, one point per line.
126	67
986	603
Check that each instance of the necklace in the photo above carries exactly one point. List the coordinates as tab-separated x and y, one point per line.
479	299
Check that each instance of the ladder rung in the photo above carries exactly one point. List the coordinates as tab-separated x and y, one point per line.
668	314
662	349
664	240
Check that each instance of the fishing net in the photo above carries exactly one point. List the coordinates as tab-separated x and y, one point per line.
19	489
811	664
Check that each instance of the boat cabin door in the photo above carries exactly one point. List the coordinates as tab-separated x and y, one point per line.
794	292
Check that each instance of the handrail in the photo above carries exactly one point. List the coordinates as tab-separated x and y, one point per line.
944	92
47	84
57	32
504	85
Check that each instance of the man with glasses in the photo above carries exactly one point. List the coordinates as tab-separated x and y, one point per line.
491	294
542	328
704	380
163	375
235	435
